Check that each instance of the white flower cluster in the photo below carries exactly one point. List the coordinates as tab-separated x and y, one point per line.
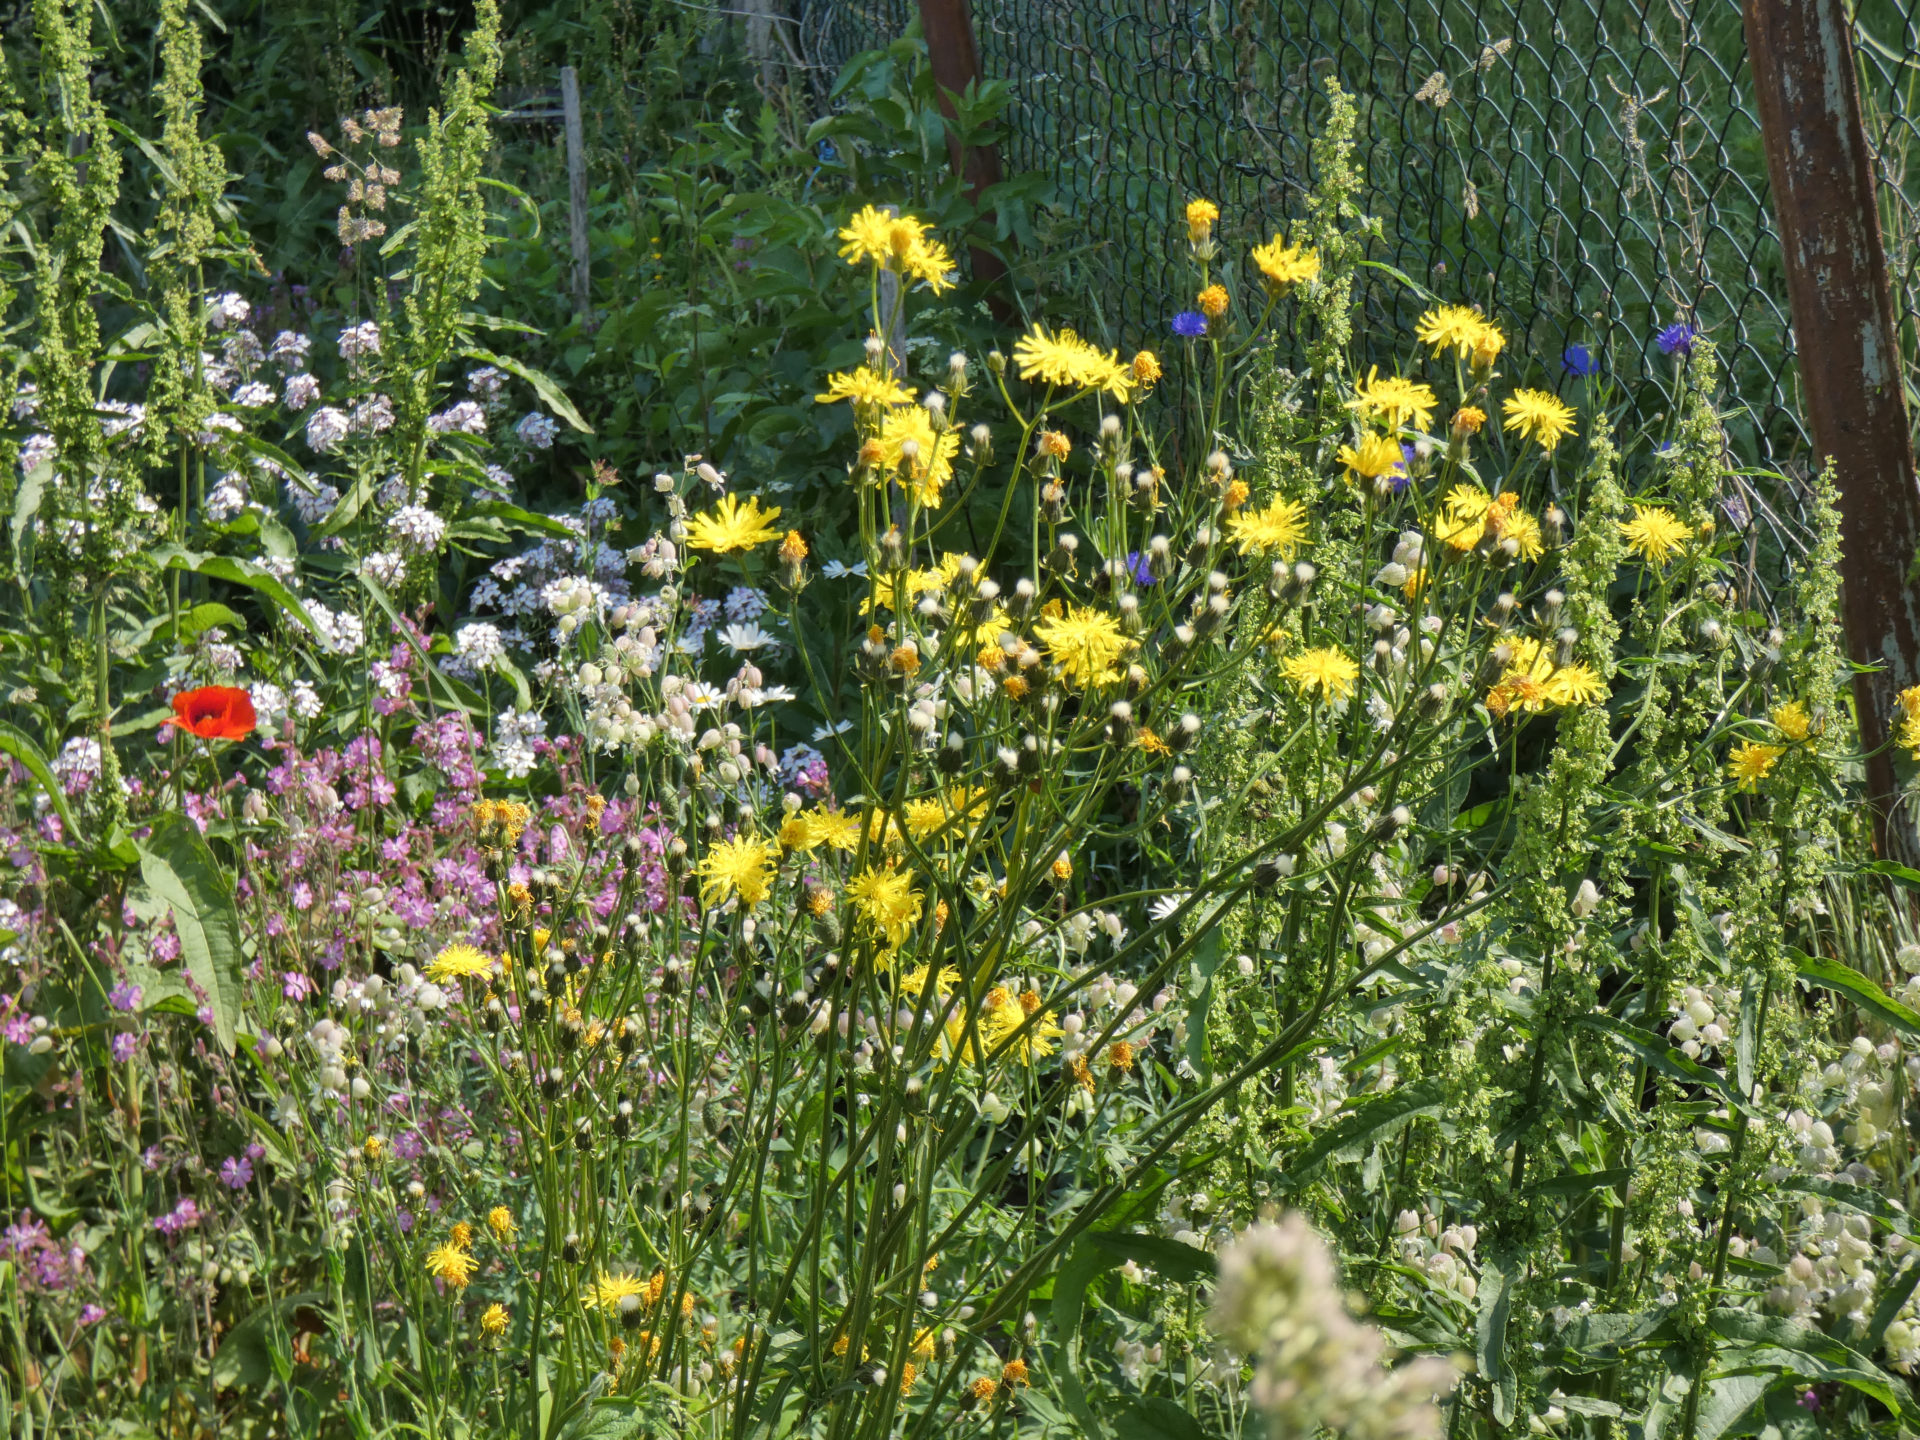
1706	1019
514	732
1279	1299
336	632
1445	1256
536	431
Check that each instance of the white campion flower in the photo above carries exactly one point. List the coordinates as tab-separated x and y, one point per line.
304	702
326	429
299	392
372	416
478	645
36	450
312	506
465	418
269	706
359	341
290	349
536	431
417	529
225	311
226	501
384	567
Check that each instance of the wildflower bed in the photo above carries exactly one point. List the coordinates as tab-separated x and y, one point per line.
1185	892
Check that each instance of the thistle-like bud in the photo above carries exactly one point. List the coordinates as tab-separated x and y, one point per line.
1185	731
570	1250
1159	557
1120	729
583	1135
1201	547
676	857
952	758
893	549
1563	646
1020	603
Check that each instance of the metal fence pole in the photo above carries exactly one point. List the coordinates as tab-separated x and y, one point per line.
1821	170
954	57
577	195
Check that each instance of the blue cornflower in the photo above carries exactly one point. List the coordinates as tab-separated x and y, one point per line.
1189	324
1676	339
1578	360
1137	566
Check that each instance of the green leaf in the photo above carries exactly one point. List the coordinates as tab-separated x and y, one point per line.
525	519
1349	1137
202	618
26	504
1832	975
1170	1257
1206	959
1900	874
245	1357
1497	1277
1889	1306
182	873
452	692
1798	1348
609	1420
1154	1417
1657	1052
544	385
15	743
1729	1400
237	572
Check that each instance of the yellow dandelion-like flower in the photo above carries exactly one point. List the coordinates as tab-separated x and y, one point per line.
961	809
1085	643
887	901
500	1222
459	962
495	1319
900	243
1750	762
1004	1015
606	1292
1325	670
1655	533
1374	456
1538	416
1284	266
1062	867
452	1264
1467	420
1280	526
1200	217
1450	327
793	549
1395	400
1213	301
1792	721
921	455
1064	359
866	388
741	866
1145	369
732	526
1053	445
1531	681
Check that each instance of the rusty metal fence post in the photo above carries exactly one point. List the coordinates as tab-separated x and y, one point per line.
954	56
1821	170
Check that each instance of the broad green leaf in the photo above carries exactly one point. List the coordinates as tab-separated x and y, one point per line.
1729	1400
182	873
544	385
1497	1276
1798	1348
1170	1257
1657	1052
237	572
1832	975
1154	1417
1349	1137
16	743
1900	874
245	1357
26	504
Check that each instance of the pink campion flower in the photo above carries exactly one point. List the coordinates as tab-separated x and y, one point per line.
294	985
184	1216
165	946
91	1314
236	1172
125	1045
124	997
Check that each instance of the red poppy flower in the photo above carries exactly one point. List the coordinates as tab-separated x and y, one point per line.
215	712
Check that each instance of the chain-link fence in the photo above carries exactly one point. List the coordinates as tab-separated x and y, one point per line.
1591	169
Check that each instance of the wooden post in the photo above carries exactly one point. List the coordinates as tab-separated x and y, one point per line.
954	57
893	314
577	196
1821	170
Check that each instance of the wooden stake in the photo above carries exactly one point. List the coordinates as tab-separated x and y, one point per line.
577	196
954	57
1821	170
